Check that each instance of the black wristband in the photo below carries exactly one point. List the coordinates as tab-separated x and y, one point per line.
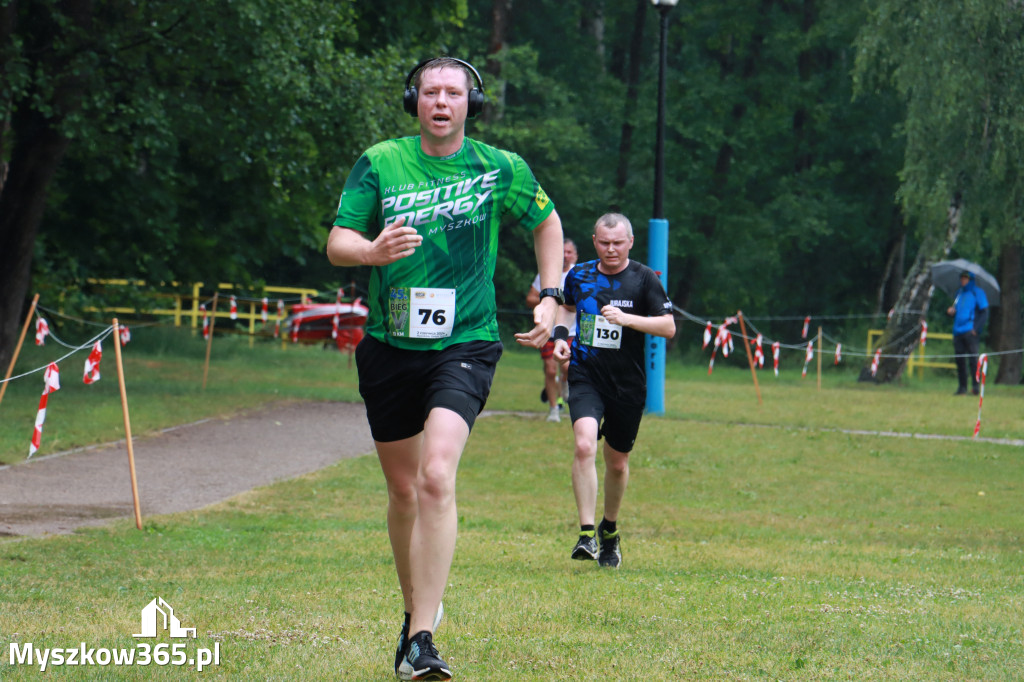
560	333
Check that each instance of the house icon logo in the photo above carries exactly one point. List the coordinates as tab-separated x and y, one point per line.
158	615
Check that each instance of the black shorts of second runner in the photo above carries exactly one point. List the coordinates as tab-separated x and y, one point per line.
400	387
621	420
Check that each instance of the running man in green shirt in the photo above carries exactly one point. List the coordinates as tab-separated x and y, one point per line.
425	212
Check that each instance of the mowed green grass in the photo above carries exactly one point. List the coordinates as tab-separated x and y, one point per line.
760	541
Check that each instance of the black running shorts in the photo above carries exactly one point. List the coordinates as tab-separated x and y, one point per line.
399	387
621	420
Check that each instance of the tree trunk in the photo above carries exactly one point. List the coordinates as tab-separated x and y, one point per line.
38	149
636	45
501	11
892	278
36	157
1006	318
902	331
592	24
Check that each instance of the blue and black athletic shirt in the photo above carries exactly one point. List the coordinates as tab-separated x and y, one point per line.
610	357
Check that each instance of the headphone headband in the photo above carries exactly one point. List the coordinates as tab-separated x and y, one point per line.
476	95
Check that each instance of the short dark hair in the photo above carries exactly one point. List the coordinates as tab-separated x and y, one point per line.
445	63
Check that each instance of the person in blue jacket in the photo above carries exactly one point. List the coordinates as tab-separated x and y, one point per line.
969	312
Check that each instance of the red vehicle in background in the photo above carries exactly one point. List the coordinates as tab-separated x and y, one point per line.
315	323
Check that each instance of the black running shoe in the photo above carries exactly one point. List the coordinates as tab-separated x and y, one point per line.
403	669
543	395
425	661
586	547
611	555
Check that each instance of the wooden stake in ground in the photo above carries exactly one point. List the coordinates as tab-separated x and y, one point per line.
17	349
819	359
127	426
750	357
209	339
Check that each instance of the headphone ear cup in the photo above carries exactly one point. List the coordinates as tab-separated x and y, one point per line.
476	102
410	101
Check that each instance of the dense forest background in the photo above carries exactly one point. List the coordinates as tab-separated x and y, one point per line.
819	153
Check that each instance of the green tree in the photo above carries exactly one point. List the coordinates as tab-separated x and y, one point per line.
187	139
957	67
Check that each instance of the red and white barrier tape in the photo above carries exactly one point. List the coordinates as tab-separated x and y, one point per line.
51	383
42	330
979	376
92	364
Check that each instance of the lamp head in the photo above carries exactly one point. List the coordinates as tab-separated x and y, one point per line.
665	3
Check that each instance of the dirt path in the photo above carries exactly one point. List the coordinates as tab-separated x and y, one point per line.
184	468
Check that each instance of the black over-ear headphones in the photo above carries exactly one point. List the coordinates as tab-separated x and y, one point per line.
411	96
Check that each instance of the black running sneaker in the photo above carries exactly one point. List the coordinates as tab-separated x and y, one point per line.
586	547
611	555
403	669
426	663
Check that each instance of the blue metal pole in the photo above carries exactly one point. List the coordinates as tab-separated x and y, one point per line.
657	260
657	245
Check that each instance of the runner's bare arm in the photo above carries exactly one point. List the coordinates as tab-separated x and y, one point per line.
547	244
347	247
657	325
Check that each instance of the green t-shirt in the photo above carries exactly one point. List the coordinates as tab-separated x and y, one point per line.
444	293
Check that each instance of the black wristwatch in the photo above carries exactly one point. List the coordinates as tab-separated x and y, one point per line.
553	293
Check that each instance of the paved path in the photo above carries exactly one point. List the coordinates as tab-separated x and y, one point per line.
183	468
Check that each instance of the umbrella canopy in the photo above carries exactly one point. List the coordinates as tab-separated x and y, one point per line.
946	276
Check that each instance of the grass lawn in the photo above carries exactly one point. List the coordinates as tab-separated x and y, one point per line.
760	542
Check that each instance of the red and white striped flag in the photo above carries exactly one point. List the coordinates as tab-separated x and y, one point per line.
839	353
775	357
874	362
234	308
280	316
808	357
264	310
924	332
51	383
714	350
206	321
125	335
42	330
807	322
707	335
758	351
336	321
92	364
979	376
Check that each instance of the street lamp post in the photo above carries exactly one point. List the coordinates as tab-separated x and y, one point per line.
657	244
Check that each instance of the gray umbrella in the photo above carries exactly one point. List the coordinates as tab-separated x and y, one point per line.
946	276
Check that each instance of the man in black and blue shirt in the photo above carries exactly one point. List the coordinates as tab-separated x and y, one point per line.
617	302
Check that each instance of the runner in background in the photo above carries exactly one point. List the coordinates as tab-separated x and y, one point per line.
616	302
556	388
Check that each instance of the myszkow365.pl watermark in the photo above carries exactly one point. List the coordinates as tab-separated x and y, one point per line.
157	617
